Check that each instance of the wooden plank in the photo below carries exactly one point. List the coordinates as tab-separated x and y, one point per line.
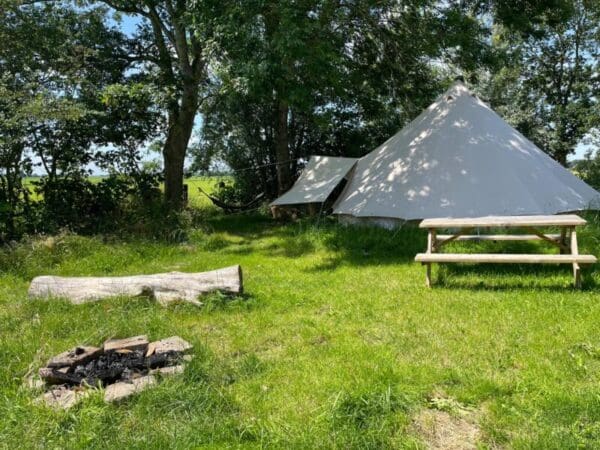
563	240
58	376
74	357
575	252
430	249
451	237
504	221
546	238
503	258
497	237
130	343
431	239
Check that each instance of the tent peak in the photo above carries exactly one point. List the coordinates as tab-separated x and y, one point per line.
458	87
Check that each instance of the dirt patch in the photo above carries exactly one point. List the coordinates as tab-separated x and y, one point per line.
442	430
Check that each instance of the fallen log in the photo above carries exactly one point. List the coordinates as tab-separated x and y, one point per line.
164	287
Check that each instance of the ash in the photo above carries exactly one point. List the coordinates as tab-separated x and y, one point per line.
112	367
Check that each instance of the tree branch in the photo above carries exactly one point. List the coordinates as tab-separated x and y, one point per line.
165	59
180	40
127	7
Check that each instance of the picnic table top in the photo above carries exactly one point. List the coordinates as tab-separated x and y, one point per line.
504	221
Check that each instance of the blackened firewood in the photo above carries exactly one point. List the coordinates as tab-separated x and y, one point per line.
55	376
163	359
110	367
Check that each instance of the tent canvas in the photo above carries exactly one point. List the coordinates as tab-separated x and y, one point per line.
460	159
317	181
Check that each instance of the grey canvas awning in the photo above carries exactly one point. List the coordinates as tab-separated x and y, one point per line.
317	181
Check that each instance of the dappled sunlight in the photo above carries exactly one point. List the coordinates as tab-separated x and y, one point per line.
461	123
317	181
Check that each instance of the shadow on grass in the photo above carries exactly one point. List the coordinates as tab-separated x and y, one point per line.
291	248
493	277
354	245
374	246
219	301
249	226
368	245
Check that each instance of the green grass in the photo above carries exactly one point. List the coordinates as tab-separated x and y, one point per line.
336	344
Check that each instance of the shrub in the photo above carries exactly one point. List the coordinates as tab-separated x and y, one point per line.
115	204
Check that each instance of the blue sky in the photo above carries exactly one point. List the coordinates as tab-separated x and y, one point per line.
128	24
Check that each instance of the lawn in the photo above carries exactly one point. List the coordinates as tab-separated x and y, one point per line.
336	343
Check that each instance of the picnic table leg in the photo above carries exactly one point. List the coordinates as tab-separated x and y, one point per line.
575	251
563	238
431	236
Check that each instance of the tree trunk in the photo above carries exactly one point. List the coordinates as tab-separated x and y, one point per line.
181	124
174	157
282	154
562	148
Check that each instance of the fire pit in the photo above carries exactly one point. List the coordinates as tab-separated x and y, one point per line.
121	366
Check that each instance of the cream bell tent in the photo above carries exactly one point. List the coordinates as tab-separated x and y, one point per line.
458	159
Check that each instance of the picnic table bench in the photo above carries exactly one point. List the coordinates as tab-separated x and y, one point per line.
462	229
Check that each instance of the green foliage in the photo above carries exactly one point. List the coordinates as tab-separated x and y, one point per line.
115	205
548	83
524	16
63	96
588	169
83	206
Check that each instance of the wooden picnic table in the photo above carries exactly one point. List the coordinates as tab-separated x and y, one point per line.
461	229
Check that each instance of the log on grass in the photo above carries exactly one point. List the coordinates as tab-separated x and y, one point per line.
164	287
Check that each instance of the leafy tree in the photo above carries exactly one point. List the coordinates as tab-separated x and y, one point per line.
328	77
588	168
548	86
12	164
174	54
65	92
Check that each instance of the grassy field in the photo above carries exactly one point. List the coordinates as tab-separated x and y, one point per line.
196	199
336	343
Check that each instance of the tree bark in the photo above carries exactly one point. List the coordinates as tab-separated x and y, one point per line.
181	124
174	158
282	154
